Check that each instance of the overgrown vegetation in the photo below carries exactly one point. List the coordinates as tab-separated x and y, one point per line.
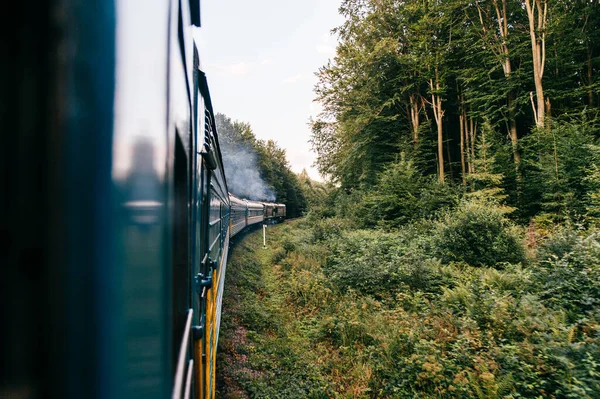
368	314
495	99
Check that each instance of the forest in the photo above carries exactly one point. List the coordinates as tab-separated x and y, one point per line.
454	249
495	99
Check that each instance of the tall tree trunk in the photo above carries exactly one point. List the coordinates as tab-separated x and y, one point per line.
514	138
440	136
462	144
537	25
589	75
500	48
415	111
438	113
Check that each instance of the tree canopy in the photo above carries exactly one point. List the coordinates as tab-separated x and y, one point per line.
449	85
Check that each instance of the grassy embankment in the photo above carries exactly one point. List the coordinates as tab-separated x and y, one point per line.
327	311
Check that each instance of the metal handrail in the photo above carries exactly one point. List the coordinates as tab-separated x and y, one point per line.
179	374
188	380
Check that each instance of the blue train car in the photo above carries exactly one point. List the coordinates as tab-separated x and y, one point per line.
115	222
239	214
116	213
256	212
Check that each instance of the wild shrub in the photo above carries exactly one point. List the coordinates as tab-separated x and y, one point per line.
479	236
558	244
348	322
288	245
568	276
278	255
512	279
403	195
377	263
364	261
340	330
421	273
309	289
326	229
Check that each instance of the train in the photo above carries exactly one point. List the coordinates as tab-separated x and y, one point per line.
245	213
117	216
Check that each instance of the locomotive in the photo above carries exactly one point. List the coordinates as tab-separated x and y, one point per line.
116	212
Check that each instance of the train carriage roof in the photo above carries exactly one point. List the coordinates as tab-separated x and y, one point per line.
255	204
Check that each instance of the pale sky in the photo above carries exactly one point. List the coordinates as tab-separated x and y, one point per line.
260	58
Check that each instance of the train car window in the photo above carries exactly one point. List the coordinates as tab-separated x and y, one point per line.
223	225
214	225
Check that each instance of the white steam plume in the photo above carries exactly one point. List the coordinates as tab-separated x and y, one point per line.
243	176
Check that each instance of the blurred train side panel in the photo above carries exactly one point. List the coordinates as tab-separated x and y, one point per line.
115	208
116	216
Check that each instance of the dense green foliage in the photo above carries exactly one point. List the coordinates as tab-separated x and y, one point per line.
317	195
451	88
401	195
478	235
368	314
567	273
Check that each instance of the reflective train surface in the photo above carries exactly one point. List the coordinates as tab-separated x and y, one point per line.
116	216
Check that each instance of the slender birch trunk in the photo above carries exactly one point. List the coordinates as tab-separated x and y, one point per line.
537	13
438	113
414	112
462	143
501	50
514	138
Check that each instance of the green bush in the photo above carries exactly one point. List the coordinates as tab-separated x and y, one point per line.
326	229
365	261
278	255
403	195
569	277
376	263
558	244
477	235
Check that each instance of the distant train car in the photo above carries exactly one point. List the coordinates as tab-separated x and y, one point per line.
246	213
274	212
280	211
256	212
269	210
239	211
